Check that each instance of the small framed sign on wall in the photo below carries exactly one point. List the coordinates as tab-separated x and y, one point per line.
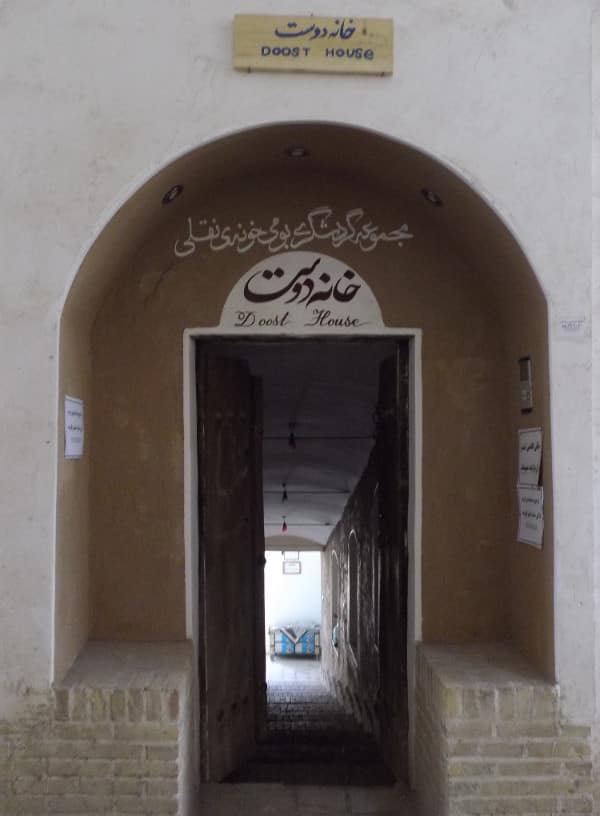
292	567
525	385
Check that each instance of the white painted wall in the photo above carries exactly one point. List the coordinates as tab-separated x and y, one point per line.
291	599
596	368
97	97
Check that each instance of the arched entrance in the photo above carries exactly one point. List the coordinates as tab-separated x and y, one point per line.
437	259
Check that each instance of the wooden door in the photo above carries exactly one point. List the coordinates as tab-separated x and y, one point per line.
392	458
260	678
230	582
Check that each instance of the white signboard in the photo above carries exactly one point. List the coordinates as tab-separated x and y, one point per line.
301	293
74	431
530	456
531	515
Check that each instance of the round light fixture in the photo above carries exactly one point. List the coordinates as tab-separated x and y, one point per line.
432	197
172	194
297	152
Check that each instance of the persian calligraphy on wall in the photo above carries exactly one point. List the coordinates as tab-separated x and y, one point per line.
343	45
320	224
301	293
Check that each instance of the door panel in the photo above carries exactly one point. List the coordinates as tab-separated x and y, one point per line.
229	580
392	457
260	678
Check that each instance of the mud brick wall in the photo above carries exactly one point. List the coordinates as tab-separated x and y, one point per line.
490	739
93	750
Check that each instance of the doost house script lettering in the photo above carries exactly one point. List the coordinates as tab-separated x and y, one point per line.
309	285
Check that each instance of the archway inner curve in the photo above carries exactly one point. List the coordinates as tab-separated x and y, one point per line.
460	277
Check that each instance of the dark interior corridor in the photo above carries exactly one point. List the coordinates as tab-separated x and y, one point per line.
311	739
319	431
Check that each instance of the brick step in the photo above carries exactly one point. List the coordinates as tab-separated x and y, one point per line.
319	745
298	705
314	773
309	708
294	700
317	737
355	742
316	726
322	755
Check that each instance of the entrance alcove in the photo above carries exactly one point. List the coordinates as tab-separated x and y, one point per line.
126	511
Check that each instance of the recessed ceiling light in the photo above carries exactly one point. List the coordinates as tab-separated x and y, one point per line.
172	194
297	152
432	197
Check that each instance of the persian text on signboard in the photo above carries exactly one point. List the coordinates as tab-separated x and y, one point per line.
348	45
304	292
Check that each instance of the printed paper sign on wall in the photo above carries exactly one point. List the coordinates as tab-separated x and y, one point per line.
301	293
530	456
531	515
530	494
73	428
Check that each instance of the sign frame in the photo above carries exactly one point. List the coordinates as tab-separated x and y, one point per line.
292	567
313	44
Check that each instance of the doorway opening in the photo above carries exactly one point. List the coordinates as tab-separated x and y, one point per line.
126	538
303	456
293	599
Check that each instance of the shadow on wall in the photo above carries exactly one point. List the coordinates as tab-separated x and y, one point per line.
350	670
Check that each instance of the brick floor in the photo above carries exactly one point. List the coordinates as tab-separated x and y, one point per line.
311	739
315	761
304	800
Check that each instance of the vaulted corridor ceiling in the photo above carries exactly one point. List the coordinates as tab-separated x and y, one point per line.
319	400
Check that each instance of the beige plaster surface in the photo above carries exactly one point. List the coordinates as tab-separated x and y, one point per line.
462	280
119	665
482	664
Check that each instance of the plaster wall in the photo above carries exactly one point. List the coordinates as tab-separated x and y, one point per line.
137	445
596	370
500	91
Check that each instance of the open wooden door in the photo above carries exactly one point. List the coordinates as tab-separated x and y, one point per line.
230	579
258	523
392	457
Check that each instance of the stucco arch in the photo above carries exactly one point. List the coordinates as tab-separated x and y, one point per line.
487	279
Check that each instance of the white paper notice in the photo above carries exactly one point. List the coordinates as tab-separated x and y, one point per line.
73	428
531	515
571	328
530	456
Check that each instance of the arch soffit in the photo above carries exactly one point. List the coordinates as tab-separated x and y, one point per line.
467	220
